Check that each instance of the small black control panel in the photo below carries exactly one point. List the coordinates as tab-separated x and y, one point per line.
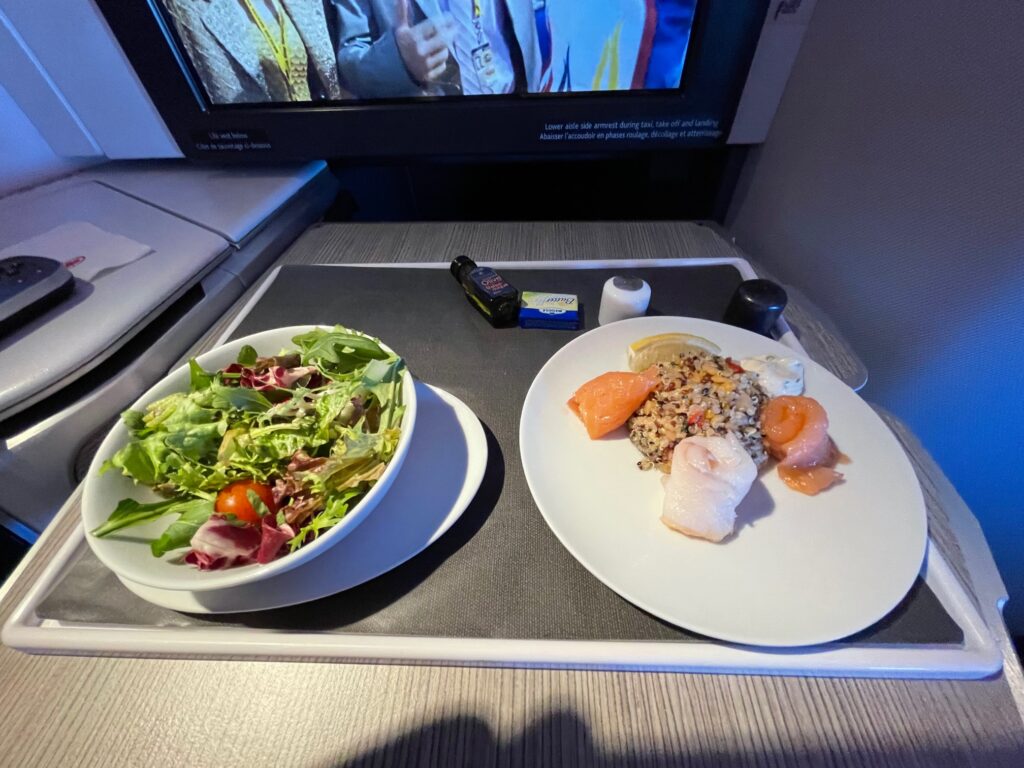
30	285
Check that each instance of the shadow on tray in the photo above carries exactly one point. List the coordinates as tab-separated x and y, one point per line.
362	602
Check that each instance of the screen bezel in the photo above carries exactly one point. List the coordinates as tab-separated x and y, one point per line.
722	41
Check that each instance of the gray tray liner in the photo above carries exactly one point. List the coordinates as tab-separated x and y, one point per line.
499	572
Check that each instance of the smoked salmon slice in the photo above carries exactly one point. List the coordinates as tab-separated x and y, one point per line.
606	402
809	480
796	433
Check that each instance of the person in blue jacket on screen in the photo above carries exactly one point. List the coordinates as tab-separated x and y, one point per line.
396	48
671	39
647	40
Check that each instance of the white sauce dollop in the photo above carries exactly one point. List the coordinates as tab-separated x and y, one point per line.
777	375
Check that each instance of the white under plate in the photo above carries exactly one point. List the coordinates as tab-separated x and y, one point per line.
801	570
427	497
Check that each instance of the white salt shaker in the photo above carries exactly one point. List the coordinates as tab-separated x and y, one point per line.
622	298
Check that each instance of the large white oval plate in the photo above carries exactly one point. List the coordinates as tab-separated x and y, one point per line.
127	553
801	570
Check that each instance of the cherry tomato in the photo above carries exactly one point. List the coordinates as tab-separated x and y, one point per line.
233	499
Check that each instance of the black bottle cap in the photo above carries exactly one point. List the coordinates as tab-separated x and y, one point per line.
458	263
756	305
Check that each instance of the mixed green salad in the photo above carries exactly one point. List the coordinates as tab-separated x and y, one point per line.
263	456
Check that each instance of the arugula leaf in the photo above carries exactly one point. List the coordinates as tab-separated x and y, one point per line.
339	350
239	398
179	534
257	503
333	513
247	355
130	512
198	378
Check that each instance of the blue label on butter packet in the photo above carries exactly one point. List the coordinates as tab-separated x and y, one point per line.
549	310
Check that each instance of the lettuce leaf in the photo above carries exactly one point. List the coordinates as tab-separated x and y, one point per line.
247	355
198	442
384	380
130	512
198	378
142	460
180	532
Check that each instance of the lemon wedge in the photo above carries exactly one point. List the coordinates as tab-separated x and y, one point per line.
645	352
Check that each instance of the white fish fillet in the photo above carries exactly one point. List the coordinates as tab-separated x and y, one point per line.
709	478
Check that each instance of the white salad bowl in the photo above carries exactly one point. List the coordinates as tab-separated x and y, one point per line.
127	552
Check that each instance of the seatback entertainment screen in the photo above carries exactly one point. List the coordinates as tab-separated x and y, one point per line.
309	51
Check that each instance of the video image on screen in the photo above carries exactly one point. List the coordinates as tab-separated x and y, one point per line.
287	51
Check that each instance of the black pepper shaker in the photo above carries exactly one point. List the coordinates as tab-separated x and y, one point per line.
756	305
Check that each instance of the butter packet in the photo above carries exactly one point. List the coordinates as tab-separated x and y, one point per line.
560	311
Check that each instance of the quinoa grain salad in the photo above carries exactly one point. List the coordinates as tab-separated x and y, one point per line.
700	394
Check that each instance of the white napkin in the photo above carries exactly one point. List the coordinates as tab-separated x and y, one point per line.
82	247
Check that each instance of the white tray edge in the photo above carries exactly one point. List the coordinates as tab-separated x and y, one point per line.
977	657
